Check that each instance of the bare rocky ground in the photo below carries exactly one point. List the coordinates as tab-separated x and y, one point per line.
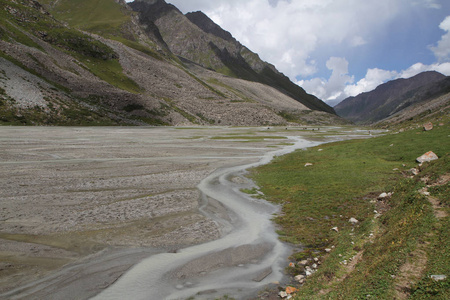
111	195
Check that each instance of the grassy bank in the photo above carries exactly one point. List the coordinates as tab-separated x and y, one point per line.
396	241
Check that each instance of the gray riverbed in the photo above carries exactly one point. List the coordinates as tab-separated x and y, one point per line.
86	206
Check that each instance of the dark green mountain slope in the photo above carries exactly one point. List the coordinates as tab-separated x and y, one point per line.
393	97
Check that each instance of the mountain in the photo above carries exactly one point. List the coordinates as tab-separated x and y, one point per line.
392	97
197	38
96	62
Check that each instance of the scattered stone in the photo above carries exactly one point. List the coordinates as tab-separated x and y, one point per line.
438	277
320	150
308	272
429	156
291	290
384	196
316	259
314	266
414	171
353	221
292	265
299	278
308	164
282	294
303	262
262	275
391	145
335	229
327	250
428	126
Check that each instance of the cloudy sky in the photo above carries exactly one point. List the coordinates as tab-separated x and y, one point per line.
338	48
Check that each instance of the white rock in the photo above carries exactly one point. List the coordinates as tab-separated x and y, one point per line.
414	171
282	294
303	262
314	266
438	277
382	195
335	229
429	156
316	259
308	164
327	250
353	221
308	273
299	278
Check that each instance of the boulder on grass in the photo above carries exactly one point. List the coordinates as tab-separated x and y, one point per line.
428	126
429	156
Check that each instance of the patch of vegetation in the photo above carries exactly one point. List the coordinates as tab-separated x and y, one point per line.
100	16
207	120
184	113
238	93
132	107
344	182
219	93
137	46
249	137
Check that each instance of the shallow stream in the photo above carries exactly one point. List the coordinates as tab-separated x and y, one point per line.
247	257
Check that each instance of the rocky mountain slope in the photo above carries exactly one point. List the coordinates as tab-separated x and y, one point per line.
393	97
196	37
96	62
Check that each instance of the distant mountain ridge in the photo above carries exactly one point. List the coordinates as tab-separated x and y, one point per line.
392	97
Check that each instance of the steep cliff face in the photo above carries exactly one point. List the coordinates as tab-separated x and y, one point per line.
197	38
72	68
392	97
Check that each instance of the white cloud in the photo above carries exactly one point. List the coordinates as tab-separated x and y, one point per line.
417	68
374	77
431	4
332	88
442	50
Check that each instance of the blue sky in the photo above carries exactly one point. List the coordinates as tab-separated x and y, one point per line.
338	48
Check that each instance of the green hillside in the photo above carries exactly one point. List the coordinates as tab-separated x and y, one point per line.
101	16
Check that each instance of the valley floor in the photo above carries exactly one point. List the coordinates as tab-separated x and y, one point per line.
111	196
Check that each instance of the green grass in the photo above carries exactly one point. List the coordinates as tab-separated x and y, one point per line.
249	137
344	177
100	16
